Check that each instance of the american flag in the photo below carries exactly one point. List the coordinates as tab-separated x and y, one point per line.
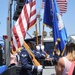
62	5
26	20
43	4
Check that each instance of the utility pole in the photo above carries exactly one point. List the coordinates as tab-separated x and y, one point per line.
9	19
9	27
39	19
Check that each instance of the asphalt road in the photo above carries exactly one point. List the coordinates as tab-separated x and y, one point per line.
49	70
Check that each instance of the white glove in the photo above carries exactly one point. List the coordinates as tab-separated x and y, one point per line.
37	47
42	47
32	68
40	68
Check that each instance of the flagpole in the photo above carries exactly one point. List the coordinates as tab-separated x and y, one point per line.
36	35
39	19
43	35
31	54
43	40
29	34
38	16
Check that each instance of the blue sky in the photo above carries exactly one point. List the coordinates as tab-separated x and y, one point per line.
68	17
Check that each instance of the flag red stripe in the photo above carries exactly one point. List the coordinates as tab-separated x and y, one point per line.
21	26
32	22
63	7
32	4
16	36
61	0
32	13
62	4
26	14
13	47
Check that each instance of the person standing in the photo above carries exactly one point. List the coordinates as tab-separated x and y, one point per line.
27	66
64	63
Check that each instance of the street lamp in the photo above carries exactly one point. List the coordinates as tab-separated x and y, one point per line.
39	19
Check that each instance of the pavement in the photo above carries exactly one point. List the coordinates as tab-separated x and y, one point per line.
49	70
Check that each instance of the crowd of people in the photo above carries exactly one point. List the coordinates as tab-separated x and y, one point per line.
28	67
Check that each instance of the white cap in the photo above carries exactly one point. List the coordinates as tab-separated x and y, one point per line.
42	47
37	47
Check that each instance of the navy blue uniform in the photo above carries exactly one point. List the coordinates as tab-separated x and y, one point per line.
39	54
56	58
27	64
42	55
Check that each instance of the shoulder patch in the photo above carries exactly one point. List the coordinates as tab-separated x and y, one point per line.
24	55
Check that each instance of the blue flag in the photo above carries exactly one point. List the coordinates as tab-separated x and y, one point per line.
53	19
47	13
61	28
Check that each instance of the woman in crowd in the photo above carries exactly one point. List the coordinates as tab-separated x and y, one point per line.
64	63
